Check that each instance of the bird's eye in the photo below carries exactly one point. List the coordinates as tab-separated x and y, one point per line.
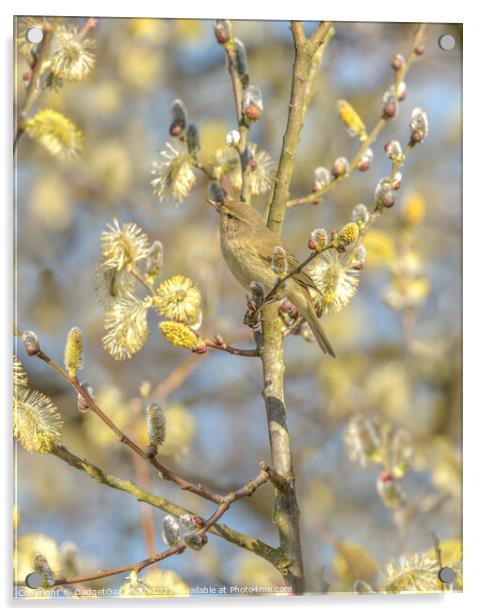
230	216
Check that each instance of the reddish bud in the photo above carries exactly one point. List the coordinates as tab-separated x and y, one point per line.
312	245
398	62
390	110
198	521
219	340
253	112
341	249
386	475
175	129
202	348
419	50
151	451
364	165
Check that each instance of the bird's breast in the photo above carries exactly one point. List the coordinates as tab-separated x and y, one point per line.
243	260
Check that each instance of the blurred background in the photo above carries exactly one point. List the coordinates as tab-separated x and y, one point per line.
398	361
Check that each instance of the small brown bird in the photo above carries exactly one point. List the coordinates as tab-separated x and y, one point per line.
247	246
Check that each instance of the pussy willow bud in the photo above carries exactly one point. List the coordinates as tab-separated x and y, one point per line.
241	60
360	258
390	105
253	103
74	351
42	567
397	180
233	138
365	161
223	31
190	523
388	490
348	234
321	178
179	118
360	214
279	262
82	405
195	541
341	166
418	126
171	530
216	193
257	293
31	342
398	62
384	196
419	50
318	240
155	259
156	427
192	139
394	150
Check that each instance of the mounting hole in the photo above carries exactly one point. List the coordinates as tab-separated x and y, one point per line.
446	42
446	575
33	580
34	35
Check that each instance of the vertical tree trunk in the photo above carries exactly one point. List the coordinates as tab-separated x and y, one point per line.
285	509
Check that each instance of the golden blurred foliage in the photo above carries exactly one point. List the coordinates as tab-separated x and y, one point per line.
380	248
352	562
51	202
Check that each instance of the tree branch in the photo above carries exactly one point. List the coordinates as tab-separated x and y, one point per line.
304	52
285	509
34	89
164	472
400	75
221	530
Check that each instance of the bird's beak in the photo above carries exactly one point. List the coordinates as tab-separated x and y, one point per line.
216	206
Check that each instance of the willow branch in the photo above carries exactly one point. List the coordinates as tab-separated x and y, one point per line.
285	508
222	346
210	525
243	126
304	52
221	530
34	89
164	472
419	37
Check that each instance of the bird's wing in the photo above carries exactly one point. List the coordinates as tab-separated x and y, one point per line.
302	277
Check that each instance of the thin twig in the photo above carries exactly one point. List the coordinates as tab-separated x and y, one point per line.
164	472
34	89
233	350
246	490
243	127
221	530
297	270
315	197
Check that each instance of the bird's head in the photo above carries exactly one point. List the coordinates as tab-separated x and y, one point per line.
236	212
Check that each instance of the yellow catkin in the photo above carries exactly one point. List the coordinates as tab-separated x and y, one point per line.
179	334
349	233
74	351
352	121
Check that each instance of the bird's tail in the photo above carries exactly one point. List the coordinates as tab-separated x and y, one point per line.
309	315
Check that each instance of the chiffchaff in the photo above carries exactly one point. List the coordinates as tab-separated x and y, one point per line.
247	246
